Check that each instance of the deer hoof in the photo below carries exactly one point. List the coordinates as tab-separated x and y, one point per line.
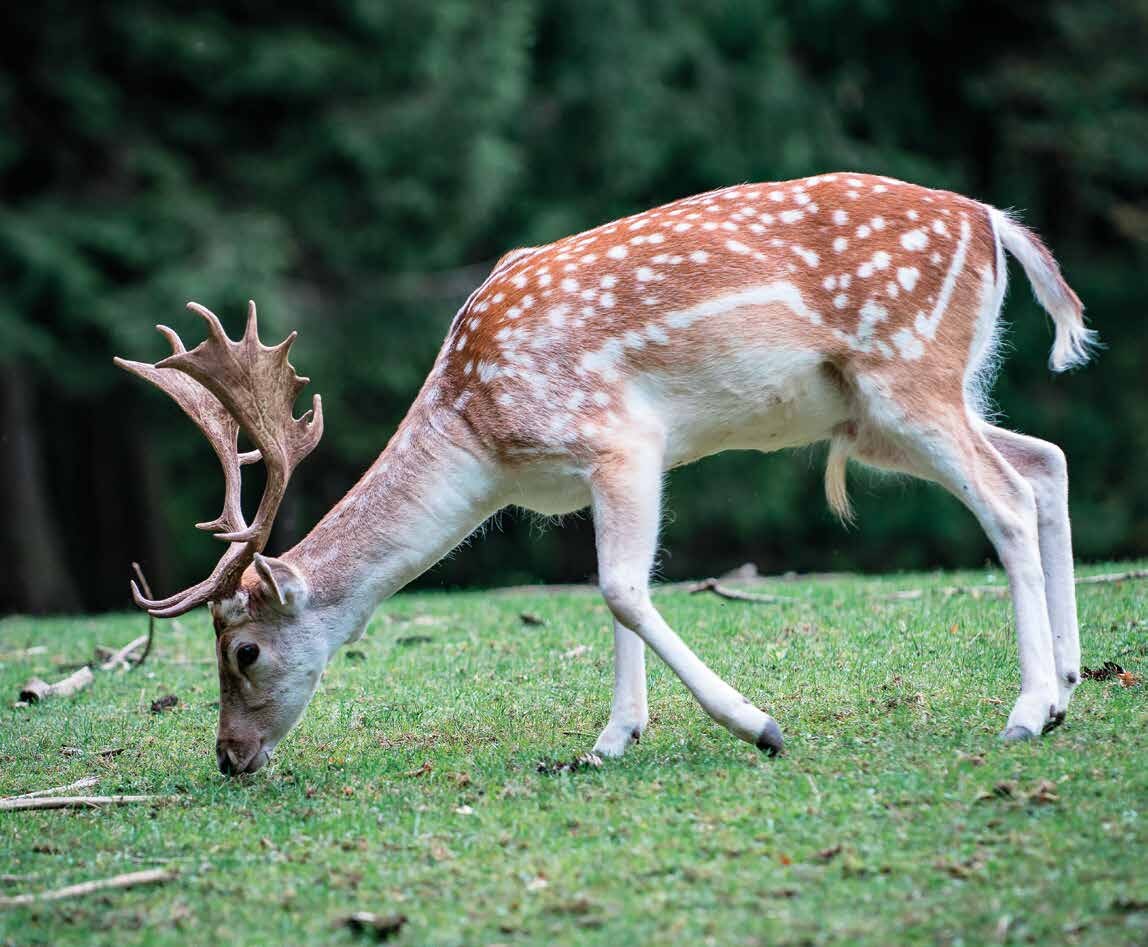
1054	721
1015	734
769	741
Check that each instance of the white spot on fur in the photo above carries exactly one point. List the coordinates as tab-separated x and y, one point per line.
737	246
907	276
809	256
791	216
915	239
840	301
644	274
908	345
840	218
617	253
840	244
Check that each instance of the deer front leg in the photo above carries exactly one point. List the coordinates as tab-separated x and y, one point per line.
626	491
629	712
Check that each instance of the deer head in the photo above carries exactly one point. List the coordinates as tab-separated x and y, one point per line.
270	649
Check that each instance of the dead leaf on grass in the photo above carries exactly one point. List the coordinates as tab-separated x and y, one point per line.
164	704
422	770
828	854
1106	672
379	926
529	618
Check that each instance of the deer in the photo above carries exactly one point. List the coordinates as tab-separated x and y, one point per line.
846	308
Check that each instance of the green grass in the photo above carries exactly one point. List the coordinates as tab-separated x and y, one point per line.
891	710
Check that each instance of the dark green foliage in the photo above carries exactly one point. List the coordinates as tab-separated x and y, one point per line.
356	167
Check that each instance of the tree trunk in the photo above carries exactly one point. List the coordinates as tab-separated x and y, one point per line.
37	575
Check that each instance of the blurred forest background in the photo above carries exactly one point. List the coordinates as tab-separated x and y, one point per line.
357	166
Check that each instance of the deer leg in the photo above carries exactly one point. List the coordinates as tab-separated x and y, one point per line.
1043	465
629	712
626	492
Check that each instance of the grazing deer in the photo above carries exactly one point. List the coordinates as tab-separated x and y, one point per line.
847	308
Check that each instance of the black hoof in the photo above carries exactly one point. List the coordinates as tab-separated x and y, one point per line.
1016	734
1054	721
769	741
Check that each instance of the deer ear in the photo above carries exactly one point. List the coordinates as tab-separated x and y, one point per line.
283	585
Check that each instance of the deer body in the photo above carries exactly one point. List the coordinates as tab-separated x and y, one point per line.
846	308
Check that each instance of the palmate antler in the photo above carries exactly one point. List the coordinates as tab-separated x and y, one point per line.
225	386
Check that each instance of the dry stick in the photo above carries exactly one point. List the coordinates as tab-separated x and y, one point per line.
712	585
37	689
77	802
121	656
1113	577
85	783
1000	591
150	618
22	653
149	877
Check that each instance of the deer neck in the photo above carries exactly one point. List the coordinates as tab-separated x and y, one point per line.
429	489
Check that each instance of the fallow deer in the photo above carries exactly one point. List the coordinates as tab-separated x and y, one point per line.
847	308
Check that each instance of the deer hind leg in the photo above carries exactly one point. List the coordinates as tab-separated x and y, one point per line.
629	712
626	492
950	450
1043	465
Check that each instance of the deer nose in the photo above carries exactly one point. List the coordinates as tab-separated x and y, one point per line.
225	755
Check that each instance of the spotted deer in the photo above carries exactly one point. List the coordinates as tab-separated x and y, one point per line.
847	308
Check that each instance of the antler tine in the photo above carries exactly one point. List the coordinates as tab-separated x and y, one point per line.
214	326
251	330
224	576
173	339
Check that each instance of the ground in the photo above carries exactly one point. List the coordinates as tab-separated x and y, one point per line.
413	785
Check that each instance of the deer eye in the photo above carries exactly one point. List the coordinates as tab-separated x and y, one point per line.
246	655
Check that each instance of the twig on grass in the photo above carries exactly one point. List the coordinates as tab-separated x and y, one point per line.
712	585
1001	591
121	657
1113	577
23	652
36	689
149	877
77	802
86	783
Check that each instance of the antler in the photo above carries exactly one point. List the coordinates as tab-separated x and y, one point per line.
224	386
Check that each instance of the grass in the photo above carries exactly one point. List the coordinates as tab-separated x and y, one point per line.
412	784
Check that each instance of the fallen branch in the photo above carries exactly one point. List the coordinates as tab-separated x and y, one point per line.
86	783
1002	591
120	657
150	877
23	653
77	802
712	585
1113	577
36	689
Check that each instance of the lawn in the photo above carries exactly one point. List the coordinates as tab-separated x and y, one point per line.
413	785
